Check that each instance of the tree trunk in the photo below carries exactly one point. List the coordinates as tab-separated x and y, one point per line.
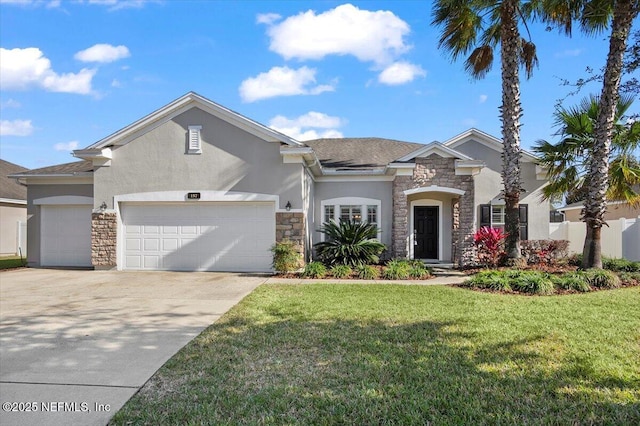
511	111
598	175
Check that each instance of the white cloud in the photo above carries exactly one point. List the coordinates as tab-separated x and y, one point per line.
21	69
116	83
66	146
400	73
103	53
114	5
305	127
483	98
10	103
569	52
268	18
15	128
282	81
346	30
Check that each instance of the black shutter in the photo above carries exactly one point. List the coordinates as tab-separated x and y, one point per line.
485	215
524	221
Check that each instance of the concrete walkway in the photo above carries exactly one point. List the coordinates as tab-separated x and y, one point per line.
76	345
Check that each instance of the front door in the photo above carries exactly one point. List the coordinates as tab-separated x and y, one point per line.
425	232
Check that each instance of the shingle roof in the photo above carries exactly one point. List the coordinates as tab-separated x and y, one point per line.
362	153
62	169
9	188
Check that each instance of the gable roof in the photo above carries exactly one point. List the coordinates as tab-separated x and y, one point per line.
434	148
67	169
359	153
9	188
486	140
177	107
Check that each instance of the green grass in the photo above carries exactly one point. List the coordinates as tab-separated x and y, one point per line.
406	355
11	262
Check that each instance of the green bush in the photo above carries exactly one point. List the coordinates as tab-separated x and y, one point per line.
286	256
314	270
601	278
367	272
572	281
493	280
629	278
341	271
533	282
397	269
419	270
620	265
349	243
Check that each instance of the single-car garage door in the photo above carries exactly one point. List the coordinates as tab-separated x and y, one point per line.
65	235
208	236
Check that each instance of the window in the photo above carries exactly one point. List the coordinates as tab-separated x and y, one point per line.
194	143
352	208
493	216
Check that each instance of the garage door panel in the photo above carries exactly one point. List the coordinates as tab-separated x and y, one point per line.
65	235
202	237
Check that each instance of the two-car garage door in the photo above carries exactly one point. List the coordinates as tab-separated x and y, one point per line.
208	236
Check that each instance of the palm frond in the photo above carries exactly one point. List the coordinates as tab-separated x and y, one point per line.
480	61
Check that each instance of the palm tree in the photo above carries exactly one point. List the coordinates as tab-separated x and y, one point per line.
568	160
593	14
476	27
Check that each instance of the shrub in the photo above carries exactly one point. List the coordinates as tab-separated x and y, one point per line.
493	280
630	278
490	245
367	272
620	265
286	256
349	243
397	269
572	281
314	270
341	271
601	278
419	270
544	251
533	282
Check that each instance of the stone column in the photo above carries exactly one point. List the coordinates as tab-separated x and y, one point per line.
291	226
400	225
104	238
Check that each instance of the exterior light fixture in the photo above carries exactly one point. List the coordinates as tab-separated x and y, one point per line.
288	206
103	206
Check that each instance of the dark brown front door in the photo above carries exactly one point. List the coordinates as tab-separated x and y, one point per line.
425	232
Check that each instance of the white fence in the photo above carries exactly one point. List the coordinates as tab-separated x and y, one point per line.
621	239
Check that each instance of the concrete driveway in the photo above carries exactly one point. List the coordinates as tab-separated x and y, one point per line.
76	345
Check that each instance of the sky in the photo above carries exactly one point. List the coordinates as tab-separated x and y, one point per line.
73	72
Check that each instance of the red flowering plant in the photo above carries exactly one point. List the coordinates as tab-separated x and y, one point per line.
489	243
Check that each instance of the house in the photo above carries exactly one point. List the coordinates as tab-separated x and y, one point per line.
196	186
615	210
13	211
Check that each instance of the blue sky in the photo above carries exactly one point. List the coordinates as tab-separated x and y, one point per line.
73	72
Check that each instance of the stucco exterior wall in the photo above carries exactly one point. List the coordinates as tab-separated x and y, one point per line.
488	186
231	160
33	212
10	215
374	190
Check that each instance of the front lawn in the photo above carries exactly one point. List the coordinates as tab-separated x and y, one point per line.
397	354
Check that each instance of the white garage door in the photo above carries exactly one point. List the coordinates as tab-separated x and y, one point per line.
65	235
199	237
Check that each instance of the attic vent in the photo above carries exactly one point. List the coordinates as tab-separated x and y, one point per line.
195	142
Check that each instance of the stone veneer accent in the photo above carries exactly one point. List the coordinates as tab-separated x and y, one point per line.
439	171
104	234
291	226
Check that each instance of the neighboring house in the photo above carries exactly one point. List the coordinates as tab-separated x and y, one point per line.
13	211
615	210
195	186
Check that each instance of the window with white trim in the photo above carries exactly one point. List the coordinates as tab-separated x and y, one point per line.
195	140
352	208
497	215
493	216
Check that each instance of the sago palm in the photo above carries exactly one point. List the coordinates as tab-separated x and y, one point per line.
349	243
474	28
